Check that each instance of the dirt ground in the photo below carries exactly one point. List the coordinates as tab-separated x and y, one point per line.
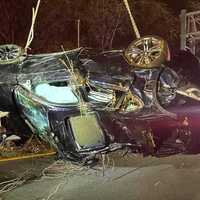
129	177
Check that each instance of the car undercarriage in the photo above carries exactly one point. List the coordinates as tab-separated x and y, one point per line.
86	102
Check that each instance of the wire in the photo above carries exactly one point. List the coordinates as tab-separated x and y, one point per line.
31	32
7	186
61	168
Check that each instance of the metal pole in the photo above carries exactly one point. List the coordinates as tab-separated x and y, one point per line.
183	29
78	32
134	25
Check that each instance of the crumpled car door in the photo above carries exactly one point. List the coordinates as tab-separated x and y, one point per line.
34	112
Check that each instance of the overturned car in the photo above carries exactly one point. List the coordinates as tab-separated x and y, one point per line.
85	102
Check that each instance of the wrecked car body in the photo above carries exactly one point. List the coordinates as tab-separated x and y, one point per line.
85	102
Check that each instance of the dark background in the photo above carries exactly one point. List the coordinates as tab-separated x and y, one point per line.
104	23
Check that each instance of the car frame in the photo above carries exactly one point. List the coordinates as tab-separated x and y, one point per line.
126	105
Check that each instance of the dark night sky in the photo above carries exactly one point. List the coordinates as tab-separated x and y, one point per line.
176	5
55	17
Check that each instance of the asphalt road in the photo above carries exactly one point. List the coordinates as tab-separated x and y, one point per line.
130	177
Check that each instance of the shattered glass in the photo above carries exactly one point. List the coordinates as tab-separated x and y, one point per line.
34	112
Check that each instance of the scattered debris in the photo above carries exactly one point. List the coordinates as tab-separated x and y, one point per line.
34	146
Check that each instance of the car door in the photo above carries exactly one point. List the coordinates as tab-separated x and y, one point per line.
32	110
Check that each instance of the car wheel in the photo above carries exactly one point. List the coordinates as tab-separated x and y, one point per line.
147	52
10	53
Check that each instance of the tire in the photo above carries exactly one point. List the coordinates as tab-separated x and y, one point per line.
147	52
10	53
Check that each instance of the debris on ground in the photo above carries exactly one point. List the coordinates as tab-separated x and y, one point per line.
11	147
